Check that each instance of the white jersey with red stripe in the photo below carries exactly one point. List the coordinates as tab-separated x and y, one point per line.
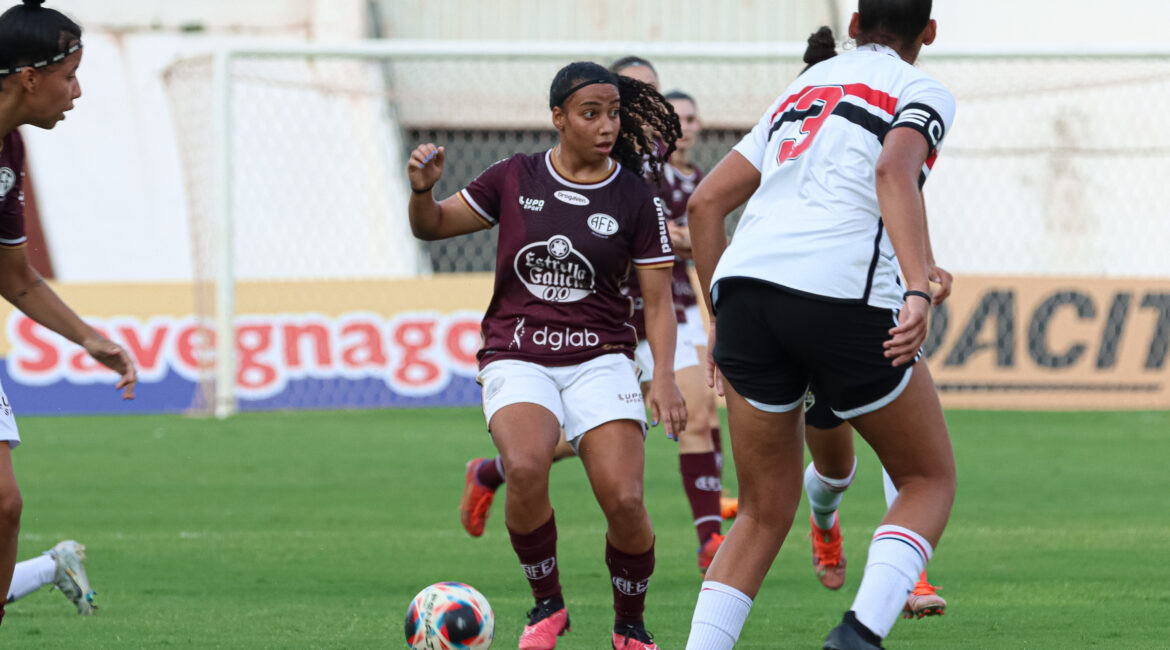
813	226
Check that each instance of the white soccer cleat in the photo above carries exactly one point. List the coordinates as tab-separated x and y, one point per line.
70	577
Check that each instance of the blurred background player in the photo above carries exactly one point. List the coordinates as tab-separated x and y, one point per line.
39	56
62	566
561	259
854	226
698	458
830	443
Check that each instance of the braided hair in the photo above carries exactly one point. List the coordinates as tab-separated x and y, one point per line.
642	108
34	36
821	47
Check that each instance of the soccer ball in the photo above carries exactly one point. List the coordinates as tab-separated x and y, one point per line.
449	616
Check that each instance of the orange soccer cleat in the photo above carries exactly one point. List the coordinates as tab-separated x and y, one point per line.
707	551
477	501
728	507
923	601
827	556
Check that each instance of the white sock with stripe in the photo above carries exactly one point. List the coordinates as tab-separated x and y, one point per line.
719	617
824	494
897	556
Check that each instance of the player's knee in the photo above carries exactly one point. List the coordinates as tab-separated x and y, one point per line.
11	504
623	507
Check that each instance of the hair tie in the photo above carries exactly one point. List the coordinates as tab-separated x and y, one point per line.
57	58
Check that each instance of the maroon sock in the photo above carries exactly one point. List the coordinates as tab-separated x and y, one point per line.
630	576
717	440
701	482
490	473
538	557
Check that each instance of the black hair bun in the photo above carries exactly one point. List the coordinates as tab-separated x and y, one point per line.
821	46
33	3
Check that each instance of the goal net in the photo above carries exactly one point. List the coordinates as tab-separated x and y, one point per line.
1047	203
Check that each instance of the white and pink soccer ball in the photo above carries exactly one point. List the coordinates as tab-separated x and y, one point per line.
449	616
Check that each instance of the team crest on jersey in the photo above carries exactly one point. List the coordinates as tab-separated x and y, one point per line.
7	182
602	224
554	271
572	198
535	205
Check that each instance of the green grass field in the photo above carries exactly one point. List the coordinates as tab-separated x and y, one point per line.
314	530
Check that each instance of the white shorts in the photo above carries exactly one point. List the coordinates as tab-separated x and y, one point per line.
696	333
685	355
8	432
582	397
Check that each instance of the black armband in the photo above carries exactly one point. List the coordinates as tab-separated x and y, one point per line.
921	294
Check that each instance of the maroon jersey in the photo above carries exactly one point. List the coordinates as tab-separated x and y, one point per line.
12	192
674	189
564	252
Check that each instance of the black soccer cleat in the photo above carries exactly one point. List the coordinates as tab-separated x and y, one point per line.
852	635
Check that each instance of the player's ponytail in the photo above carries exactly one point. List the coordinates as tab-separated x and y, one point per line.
643	107
35	36
821	47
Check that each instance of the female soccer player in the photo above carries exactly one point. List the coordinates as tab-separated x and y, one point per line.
830	442
557	350
835	216
40	50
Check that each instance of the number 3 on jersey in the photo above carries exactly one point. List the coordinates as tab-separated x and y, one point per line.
810	110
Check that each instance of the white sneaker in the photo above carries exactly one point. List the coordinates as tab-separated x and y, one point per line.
70	577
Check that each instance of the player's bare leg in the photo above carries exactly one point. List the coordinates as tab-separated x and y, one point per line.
526	436
911	440
10	508
768	450
825	481
614	457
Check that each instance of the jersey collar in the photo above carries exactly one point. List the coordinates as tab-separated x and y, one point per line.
563	180
879	48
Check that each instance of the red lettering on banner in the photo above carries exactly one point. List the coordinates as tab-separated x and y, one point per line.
368	351
318	337
148	357
462	342
189	342
252	343
47	356
415	337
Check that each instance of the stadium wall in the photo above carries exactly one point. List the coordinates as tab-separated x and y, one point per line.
999	342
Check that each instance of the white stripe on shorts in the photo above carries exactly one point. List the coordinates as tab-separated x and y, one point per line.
875	405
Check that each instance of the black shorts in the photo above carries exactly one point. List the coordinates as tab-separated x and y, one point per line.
817	412
771	344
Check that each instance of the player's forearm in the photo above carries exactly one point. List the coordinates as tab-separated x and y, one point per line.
901	207
661	324
37	300
708	241
426	216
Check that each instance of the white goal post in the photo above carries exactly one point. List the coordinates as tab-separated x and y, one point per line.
1024	185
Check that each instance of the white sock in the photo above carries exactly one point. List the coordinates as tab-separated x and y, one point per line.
824	494
719	617
31	575
896	556
888	486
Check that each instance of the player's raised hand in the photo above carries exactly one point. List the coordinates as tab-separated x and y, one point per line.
667	406
907	337
425	166
112	356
